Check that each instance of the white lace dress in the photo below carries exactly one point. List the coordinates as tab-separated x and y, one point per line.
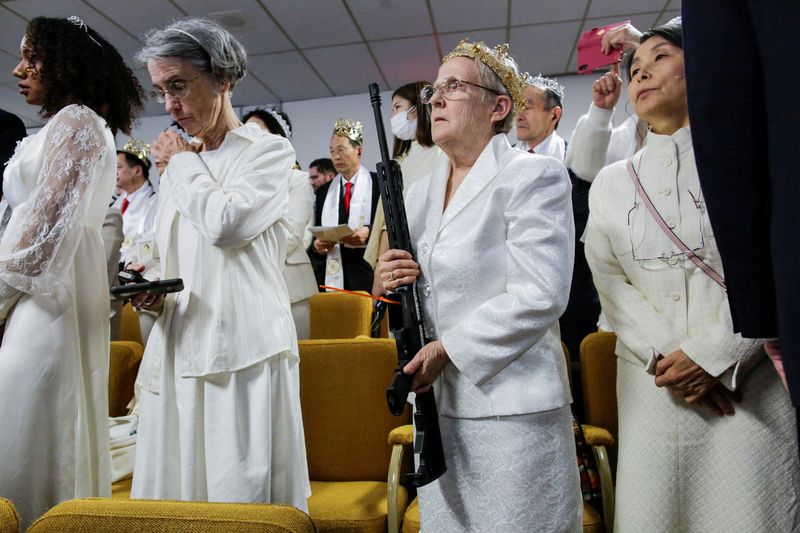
54	298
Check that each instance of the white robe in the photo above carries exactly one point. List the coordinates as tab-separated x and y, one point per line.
496	266
220	406
54	354
681	468
297	269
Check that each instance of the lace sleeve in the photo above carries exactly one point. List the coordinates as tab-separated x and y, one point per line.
43	233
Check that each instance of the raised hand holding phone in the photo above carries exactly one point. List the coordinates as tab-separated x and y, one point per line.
603	46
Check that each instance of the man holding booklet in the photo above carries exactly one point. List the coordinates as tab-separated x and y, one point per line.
343	214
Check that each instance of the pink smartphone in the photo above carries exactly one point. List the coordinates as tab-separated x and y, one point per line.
590	57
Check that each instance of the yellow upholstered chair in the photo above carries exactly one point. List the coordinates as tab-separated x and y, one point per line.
9	519
354	446
598	362
100	515
129	329
124	361
338	315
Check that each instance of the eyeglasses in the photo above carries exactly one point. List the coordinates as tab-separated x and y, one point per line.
447	87
177	89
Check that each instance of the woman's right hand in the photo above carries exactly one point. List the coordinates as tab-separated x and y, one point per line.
606	90
396	268
149	302
626	36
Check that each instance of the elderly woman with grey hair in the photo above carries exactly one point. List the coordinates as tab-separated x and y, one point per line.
220	404
493	234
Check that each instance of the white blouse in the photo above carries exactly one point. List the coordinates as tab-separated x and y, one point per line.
220	227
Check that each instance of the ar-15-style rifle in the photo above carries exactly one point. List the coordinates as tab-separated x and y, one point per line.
405	320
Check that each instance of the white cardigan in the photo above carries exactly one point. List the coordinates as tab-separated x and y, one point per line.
656	300
220	227
496	268
595	144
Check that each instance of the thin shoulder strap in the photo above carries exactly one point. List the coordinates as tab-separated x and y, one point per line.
702	265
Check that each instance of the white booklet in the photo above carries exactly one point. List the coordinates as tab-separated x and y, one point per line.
331	233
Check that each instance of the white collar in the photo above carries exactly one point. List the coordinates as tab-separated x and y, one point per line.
144	191
553	145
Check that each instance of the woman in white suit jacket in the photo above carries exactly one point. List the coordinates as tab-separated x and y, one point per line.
493	235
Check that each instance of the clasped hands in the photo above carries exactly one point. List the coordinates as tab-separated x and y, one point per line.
169	143
688	380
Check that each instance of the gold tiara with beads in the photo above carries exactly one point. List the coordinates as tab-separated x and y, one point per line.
501	63
138	149
352	129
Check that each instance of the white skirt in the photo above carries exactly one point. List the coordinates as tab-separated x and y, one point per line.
506	474
681	468
232	437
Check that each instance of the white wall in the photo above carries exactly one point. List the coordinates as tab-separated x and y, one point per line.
312	120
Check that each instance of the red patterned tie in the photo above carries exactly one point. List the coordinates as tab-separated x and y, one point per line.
348	194
124	207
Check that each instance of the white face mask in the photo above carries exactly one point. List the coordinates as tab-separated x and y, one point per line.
403	128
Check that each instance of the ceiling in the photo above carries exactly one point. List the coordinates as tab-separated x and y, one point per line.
303	49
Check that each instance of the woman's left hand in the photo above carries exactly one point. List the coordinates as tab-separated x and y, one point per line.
426	366
169	143
684	377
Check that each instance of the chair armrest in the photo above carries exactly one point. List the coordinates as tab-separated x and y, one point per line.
606	484
393	513
402	435
596	436
399	438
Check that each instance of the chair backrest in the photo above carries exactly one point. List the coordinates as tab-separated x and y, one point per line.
599	380
338	315
9	519
100	515
345	416
129	329
123	365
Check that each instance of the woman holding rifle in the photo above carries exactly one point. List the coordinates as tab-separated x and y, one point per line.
493	235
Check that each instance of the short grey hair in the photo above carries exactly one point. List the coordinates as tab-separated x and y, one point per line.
490	80
203	43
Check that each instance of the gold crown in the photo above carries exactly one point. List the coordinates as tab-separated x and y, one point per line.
352	129
138	149
500	62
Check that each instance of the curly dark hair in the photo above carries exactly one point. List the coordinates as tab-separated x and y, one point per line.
81	67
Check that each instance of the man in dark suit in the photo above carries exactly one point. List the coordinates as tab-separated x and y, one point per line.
741	58
350	198
11	130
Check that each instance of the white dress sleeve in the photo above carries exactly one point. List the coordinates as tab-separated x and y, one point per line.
43	232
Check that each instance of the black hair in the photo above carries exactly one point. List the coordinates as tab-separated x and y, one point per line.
672	32
324	165
272	124
133	161
80	67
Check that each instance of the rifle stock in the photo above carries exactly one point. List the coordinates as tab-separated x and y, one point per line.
405	320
